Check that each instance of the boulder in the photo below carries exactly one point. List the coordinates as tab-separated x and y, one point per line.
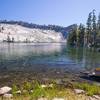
44	86
97	97
79	91
18	92
42	99
92	98
58	98
8	96
5	90
51	85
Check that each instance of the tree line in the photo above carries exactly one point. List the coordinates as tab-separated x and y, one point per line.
86	35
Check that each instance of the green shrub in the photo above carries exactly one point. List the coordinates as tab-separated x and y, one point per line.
91	89
14	89
38	91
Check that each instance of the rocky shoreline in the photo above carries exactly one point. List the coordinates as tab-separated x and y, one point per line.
41	74
47	91
63	77
10	77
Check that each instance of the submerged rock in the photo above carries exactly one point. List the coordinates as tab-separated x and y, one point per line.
5	90
59	82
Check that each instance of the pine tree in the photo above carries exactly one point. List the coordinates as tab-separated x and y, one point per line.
72	38
81	34
86	36
94	21
8	39
89	29
98	25
94	27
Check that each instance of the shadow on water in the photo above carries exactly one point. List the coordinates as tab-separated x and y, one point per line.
91	78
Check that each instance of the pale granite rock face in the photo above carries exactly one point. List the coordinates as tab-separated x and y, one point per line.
17	33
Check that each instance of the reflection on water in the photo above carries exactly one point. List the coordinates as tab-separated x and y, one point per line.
85	58
8	51
26	56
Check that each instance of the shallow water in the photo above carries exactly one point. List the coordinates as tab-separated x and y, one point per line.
23	56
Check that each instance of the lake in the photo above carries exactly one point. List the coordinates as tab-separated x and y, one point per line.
29	56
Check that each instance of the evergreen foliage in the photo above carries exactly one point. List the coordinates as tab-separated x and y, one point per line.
88	35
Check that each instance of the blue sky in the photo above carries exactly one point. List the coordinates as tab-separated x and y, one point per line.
59	12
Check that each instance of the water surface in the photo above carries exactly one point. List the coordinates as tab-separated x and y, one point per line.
14	56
